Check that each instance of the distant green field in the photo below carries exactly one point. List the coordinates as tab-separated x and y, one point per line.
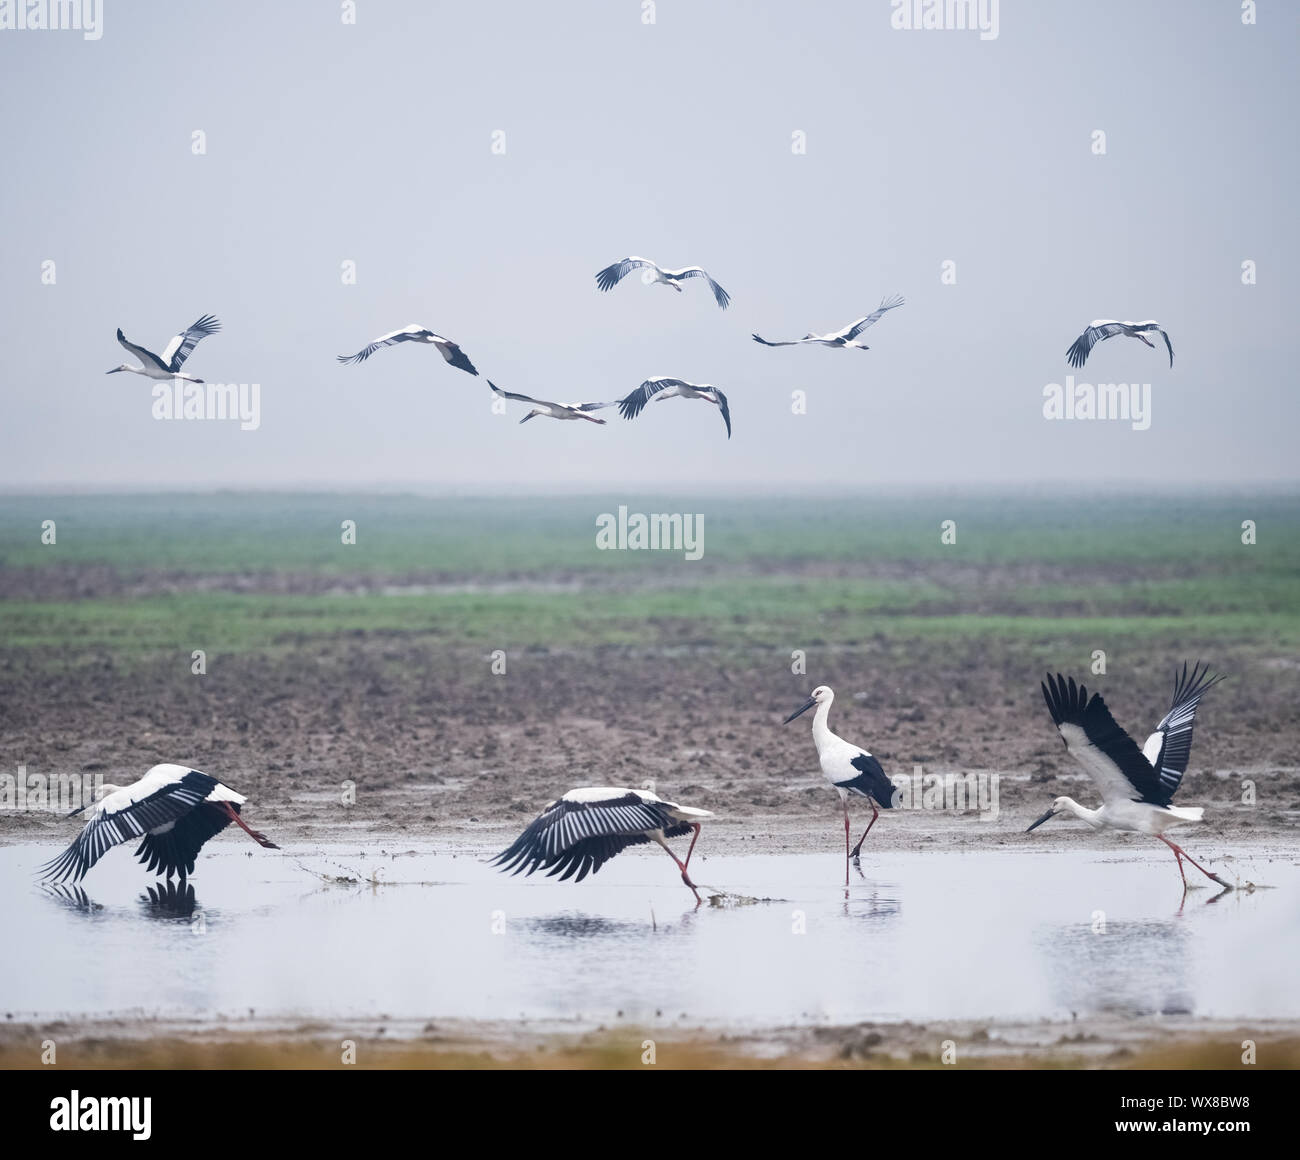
1136	567
485	537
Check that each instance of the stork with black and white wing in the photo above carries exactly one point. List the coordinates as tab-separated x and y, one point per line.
168	364
552	410
850	769
414	333
584	829
1101	329
613	274
1137	785
173	809
631	405
847	336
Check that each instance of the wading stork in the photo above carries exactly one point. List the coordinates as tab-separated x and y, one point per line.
847	336
1137	785
632	405
1103	328
552	410
585	828
168	366
612	275
173	809
851	770
414	333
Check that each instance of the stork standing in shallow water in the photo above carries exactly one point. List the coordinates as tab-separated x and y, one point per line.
851	770
173	808
585	828
168	366
1137	785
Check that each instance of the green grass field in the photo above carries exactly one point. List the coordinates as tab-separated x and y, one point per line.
135	575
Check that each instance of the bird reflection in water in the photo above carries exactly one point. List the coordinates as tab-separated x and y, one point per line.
72	897
169	900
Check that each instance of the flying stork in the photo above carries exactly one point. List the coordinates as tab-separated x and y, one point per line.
611	276
585	828
632	405
414	333
552	410
173	358
851	770
1103	328
174	810
1137	785
846	337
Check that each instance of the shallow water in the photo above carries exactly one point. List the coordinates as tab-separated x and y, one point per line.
921	936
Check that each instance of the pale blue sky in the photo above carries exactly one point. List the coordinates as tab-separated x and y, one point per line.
373	143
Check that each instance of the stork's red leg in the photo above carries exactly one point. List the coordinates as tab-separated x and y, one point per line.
682	865
233	814
875	813
696	838
1180	854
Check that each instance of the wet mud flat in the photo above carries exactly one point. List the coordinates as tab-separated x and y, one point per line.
437	747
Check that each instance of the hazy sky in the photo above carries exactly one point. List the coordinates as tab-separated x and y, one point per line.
373	142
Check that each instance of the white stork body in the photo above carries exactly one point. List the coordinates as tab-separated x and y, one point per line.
846	337
414	333
168	365
174	810
585	828
552	410
1137	785
613	274
632	405
1101	329
850	769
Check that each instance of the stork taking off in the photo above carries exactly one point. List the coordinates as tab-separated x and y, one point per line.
611	276
847	336
173	808
584	829
552	410
168	366
851	770
632	405
1104	328
1137	785
414	333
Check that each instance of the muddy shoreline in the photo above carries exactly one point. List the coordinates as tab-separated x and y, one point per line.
1155	1043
